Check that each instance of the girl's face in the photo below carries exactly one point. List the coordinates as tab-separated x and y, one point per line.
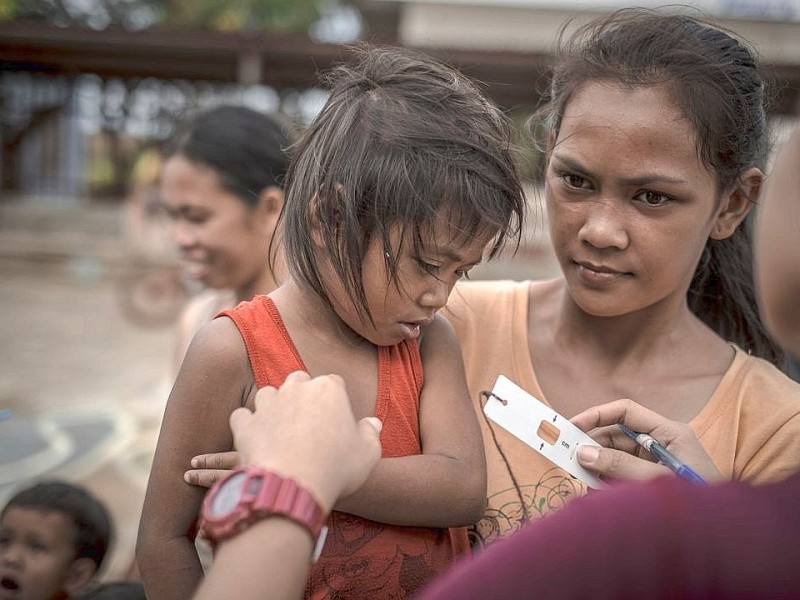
629	201
424	282
222	241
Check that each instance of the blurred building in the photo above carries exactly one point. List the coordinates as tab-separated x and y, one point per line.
528	28
77	104
773	26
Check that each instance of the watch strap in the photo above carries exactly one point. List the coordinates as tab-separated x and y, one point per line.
263	494
285	497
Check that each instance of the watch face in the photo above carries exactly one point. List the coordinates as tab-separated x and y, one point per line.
227	496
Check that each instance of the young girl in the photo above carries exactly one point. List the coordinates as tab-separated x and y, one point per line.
221	185
394	193
655	133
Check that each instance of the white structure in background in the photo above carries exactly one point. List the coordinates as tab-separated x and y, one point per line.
773	26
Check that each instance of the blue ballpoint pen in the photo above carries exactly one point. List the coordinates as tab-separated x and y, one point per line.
665	457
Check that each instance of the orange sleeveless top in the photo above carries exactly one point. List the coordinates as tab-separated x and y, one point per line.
361	558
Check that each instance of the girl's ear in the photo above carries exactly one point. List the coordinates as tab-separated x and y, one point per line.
79	575
316	217
737	203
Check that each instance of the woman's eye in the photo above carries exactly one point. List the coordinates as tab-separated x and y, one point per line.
196	219
573	181
651	198
462	273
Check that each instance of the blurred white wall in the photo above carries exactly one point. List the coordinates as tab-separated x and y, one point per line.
531	25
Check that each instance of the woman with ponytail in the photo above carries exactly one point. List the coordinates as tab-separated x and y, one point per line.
655	137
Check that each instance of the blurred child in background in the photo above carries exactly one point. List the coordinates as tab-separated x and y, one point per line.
53	539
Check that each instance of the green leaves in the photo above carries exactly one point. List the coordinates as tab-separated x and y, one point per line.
219	15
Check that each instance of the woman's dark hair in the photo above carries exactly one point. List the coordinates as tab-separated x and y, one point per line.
246	148
89	517
401	139
713	79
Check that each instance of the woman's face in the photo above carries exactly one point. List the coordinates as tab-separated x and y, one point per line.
223	242
629	201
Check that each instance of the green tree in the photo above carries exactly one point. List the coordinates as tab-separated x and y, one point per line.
243	15
221	15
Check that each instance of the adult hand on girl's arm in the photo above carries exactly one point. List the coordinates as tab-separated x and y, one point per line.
622	458
306	430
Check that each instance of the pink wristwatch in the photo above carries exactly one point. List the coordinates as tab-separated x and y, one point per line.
249	494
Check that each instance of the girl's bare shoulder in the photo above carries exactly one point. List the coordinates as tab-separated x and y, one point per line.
218	352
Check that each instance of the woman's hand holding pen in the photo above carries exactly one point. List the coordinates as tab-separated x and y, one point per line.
306	430
622	458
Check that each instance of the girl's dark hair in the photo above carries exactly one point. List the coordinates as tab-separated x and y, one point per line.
713	79
246	148
401	138
90	519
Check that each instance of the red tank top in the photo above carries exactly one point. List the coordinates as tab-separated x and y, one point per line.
361	558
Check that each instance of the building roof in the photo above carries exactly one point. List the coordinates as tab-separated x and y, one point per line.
283	61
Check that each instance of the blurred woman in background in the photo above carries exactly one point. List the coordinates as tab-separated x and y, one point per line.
221	185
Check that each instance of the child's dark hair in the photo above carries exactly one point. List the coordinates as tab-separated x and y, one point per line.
90	519
246	148
402	139
713	79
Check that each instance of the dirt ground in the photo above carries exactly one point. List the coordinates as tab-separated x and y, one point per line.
86	389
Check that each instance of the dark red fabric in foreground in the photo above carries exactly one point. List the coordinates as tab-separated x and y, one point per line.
663	539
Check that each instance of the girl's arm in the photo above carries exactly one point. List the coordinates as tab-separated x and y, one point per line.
445	486
214	380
